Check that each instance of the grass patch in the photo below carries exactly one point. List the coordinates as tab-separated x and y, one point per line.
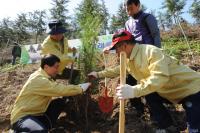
176	48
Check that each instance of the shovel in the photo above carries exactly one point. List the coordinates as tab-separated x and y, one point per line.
105	102
122	82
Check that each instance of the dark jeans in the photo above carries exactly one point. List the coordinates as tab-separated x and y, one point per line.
191	104
157	110
159	113
135	102
42	123
14	60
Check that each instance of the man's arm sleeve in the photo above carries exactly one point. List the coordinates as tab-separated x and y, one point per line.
109	73
46	87
154	30
159	74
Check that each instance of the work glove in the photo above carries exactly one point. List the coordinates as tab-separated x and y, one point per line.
125	91
85	86
93	75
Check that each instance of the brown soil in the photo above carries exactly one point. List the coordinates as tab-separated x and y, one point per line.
84	115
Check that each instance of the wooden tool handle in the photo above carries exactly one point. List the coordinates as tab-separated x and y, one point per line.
122	82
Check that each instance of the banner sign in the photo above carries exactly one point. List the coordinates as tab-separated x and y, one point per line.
31	53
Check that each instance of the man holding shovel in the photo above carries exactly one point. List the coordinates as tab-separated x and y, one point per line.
160	75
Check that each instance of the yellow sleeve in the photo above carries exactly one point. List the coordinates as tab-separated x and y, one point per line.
46	87
64	58
159	73
109	73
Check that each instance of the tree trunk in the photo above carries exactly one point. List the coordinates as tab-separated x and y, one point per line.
184	35
36	38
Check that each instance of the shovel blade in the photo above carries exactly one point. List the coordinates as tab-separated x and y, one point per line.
105	104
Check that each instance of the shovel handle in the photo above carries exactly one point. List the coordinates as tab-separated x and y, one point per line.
106	80
106	92
122	82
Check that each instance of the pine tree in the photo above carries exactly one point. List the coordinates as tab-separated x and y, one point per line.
105	16
36	23
59	11
21	28
174	8
118	21
89	17
195	10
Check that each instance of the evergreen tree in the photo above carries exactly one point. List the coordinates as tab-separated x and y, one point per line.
36	23
59	11
89	17
74	29
118	21
174	8
105	16
195	10
6	31
20	28
164	20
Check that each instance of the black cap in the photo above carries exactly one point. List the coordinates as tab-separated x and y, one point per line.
54	22
56	27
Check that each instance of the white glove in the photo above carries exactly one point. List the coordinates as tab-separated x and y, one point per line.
84	86
93	74
125	91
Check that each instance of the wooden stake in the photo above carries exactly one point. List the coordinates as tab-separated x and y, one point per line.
122	82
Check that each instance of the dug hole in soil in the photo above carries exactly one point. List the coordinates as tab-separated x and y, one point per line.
82	113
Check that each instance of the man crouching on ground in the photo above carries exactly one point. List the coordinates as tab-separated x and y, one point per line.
34	110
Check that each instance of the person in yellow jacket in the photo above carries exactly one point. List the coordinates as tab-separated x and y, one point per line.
34	109
159	75
57	44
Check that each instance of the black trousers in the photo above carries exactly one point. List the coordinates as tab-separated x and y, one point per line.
155	102
135	102
69	73
42	123
191	105
160	113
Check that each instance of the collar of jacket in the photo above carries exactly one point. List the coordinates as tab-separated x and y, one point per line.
49	38
44	73
134	51
138	14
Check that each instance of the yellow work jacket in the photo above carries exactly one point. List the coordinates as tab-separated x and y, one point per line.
157	72
37	93
50	46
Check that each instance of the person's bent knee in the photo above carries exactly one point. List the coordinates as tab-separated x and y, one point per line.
29	124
